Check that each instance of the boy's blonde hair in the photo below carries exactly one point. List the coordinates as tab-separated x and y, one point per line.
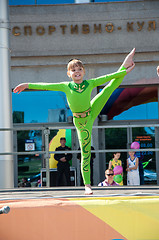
74	63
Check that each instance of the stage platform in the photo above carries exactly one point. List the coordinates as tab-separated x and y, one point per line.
66	213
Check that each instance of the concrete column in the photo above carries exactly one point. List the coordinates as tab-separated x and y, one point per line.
6	142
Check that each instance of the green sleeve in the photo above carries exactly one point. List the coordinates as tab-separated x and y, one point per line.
49	86
103	79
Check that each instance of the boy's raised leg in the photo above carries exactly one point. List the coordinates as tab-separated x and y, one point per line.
128	62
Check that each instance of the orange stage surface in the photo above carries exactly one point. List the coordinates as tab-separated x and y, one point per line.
81	218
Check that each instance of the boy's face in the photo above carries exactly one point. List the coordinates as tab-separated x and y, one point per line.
76	73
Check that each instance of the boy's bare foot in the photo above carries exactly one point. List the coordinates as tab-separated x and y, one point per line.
88	190
128	62
129	69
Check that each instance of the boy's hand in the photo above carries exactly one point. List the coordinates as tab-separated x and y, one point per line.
129	69
128	62
158	70
21	87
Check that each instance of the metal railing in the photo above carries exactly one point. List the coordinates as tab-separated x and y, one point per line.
46	131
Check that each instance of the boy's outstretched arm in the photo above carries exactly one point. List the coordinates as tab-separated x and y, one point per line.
21	87
62	86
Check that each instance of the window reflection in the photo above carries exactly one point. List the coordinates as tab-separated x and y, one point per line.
147	159
143	111
42	2
132	104
38	2
40	106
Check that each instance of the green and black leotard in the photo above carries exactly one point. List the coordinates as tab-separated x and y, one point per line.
79	100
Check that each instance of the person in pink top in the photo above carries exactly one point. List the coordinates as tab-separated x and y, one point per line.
108	182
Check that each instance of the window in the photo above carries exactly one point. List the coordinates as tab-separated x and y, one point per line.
38	2
132	104
42	2
40	106
144	111
146	137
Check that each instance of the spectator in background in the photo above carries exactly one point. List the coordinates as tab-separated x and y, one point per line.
63	166
116	162
133	170
108	182
24	183
93	156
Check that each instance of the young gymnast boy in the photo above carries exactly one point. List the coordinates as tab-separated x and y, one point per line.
85	110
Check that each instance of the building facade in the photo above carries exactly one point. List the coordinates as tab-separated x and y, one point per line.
45	38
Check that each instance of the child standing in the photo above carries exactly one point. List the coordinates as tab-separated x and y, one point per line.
85	110
116	162
133	177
